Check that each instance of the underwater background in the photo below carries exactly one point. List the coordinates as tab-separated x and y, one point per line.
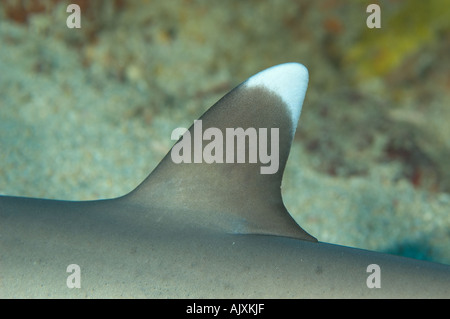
87	113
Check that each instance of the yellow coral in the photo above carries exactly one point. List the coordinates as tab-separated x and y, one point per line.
403	31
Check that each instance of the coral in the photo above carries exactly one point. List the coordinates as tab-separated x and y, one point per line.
19	11
405	29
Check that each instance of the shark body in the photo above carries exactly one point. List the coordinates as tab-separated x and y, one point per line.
198	230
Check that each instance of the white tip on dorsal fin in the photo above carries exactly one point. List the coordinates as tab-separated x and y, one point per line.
289	81
235	196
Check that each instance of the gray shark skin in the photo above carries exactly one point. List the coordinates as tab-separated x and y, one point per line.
197	230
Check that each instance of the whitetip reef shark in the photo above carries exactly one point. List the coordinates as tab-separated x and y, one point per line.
201	230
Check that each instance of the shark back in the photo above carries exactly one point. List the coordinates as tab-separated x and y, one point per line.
197	226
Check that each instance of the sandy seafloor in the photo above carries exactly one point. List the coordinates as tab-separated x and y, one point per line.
87	114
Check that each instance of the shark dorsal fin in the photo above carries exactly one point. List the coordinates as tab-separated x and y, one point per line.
209	185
